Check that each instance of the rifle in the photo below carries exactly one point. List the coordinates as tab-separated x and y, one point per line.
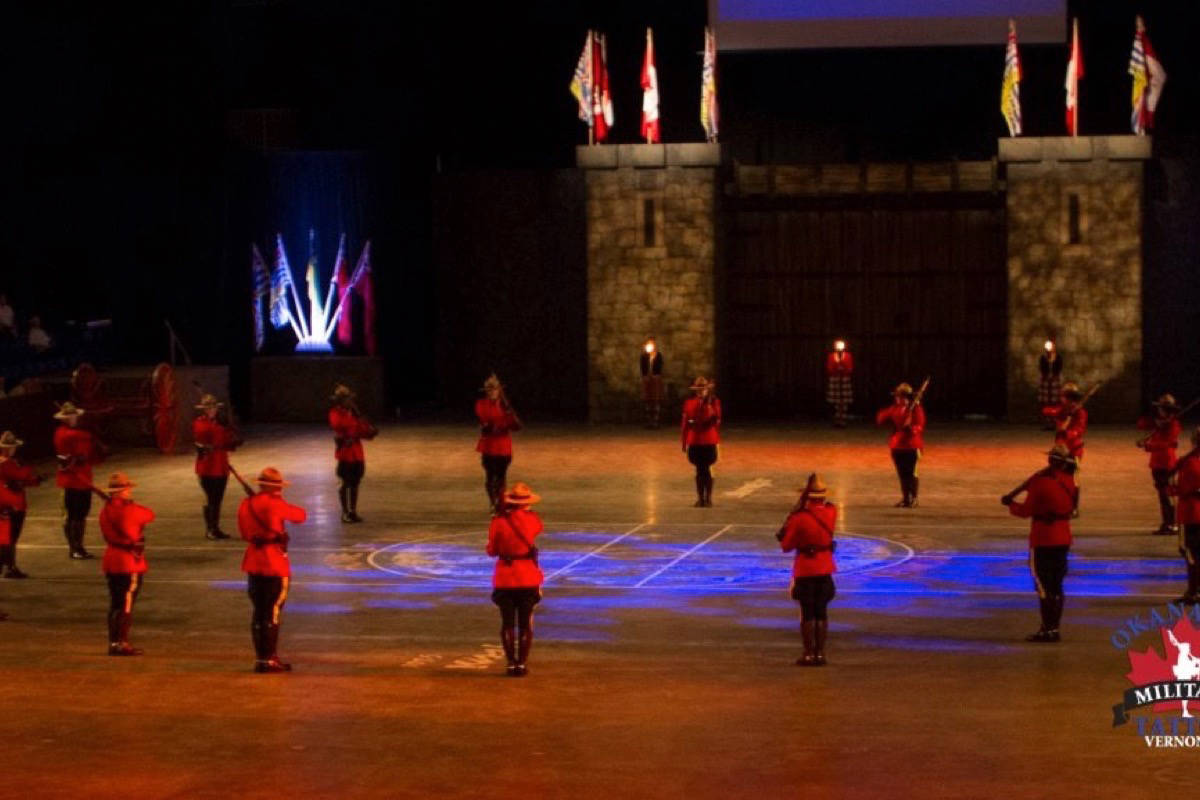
1141	443
249	490
916	401
228	419
508	409
799	506
1061	425
1007	499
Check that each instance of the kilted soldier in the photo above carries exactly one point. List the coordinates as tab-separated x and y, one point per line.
907	441
262	521
77	450
808	531
1051	497
124	565
497	421
517	578
1161	443
349	429
1050	366
15	477
214	441
701	433
839	388
652	381
1187	489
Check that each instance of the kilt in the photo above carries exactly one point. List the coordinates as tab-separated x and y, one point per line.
839	390
652	389
1049	390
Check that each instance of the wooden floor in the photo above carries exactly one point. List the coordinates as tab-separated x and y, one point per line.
663	665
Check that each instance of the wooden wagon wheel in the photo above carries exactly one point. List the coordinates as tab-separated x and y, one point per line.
86	387
164	407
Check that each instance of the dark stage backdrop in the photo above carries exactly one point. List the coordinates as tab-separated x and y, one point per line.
916	285
511	260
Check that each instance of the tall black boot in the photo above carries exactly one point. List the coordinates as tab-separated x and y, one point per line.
508	639
344	501
708	489
16	524
809	635
699	490
822	628
69	535
209	526
214	523
1167	512
525	644
914	484
76	539
1046	608
1056	612
114	628
258	635
354	517
905	497
274	663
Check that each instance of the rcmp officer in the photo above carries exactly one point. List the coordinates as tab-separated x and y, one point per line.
77	450
214	440
808	531
651	364
262	521
1187	487
497	421
1051	497
907	441
349	430
1070	425
124	565
839	387
1161	443
8	500
517	578
14	477
701	433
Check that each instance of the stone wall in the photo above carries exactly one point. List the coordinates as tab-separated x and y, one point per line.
1074	210
651	257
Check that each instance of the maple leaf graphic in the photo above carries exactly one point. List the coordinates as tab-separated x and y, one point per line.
1148	667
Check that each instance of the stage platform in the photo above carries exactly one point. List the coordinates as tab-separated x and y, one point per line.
663	665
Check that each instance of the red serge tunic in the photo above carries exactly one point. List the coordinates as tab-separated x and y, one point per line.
505	543
1049	502
911	438
16	476
810	527
218	439
261	520
351	430
1069	427
121	522
496	423
701	421
839	366
80	447
1188	489
8	502
1162	442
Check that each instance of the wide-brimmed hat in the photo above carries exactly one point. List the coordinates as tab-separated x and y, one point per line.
68	410
271	477
701	382
9	440
118	481
492	382
521	495
1061	454
815	487
1167	401
341	392
209	401
904	389
1071	389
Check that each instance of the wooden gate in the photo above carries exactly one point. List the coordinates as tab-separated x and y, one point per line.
915	283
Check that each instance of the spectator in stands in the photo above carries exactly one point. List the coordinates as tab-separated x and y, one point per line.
8	320
39	340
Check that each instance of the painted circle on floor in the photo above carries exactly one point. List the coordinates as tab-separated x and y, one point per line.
645	559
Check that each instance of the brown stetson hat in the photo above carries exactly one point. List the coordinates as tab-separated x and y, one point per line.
1167	401
118	481
492	382
1071	389
1061	454
9	441
67	410
341	392
701	382
209	401
903	389
814	486
271	477
521	495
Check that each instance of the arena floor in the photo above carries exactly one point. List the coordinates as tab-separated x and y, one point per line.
663	665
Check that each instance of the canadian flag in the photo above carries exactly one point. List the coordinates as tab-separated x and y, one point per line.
650	130
1074	73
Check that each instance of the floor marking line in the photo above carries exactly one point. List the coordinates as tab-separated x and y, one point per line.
597	551
675	561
